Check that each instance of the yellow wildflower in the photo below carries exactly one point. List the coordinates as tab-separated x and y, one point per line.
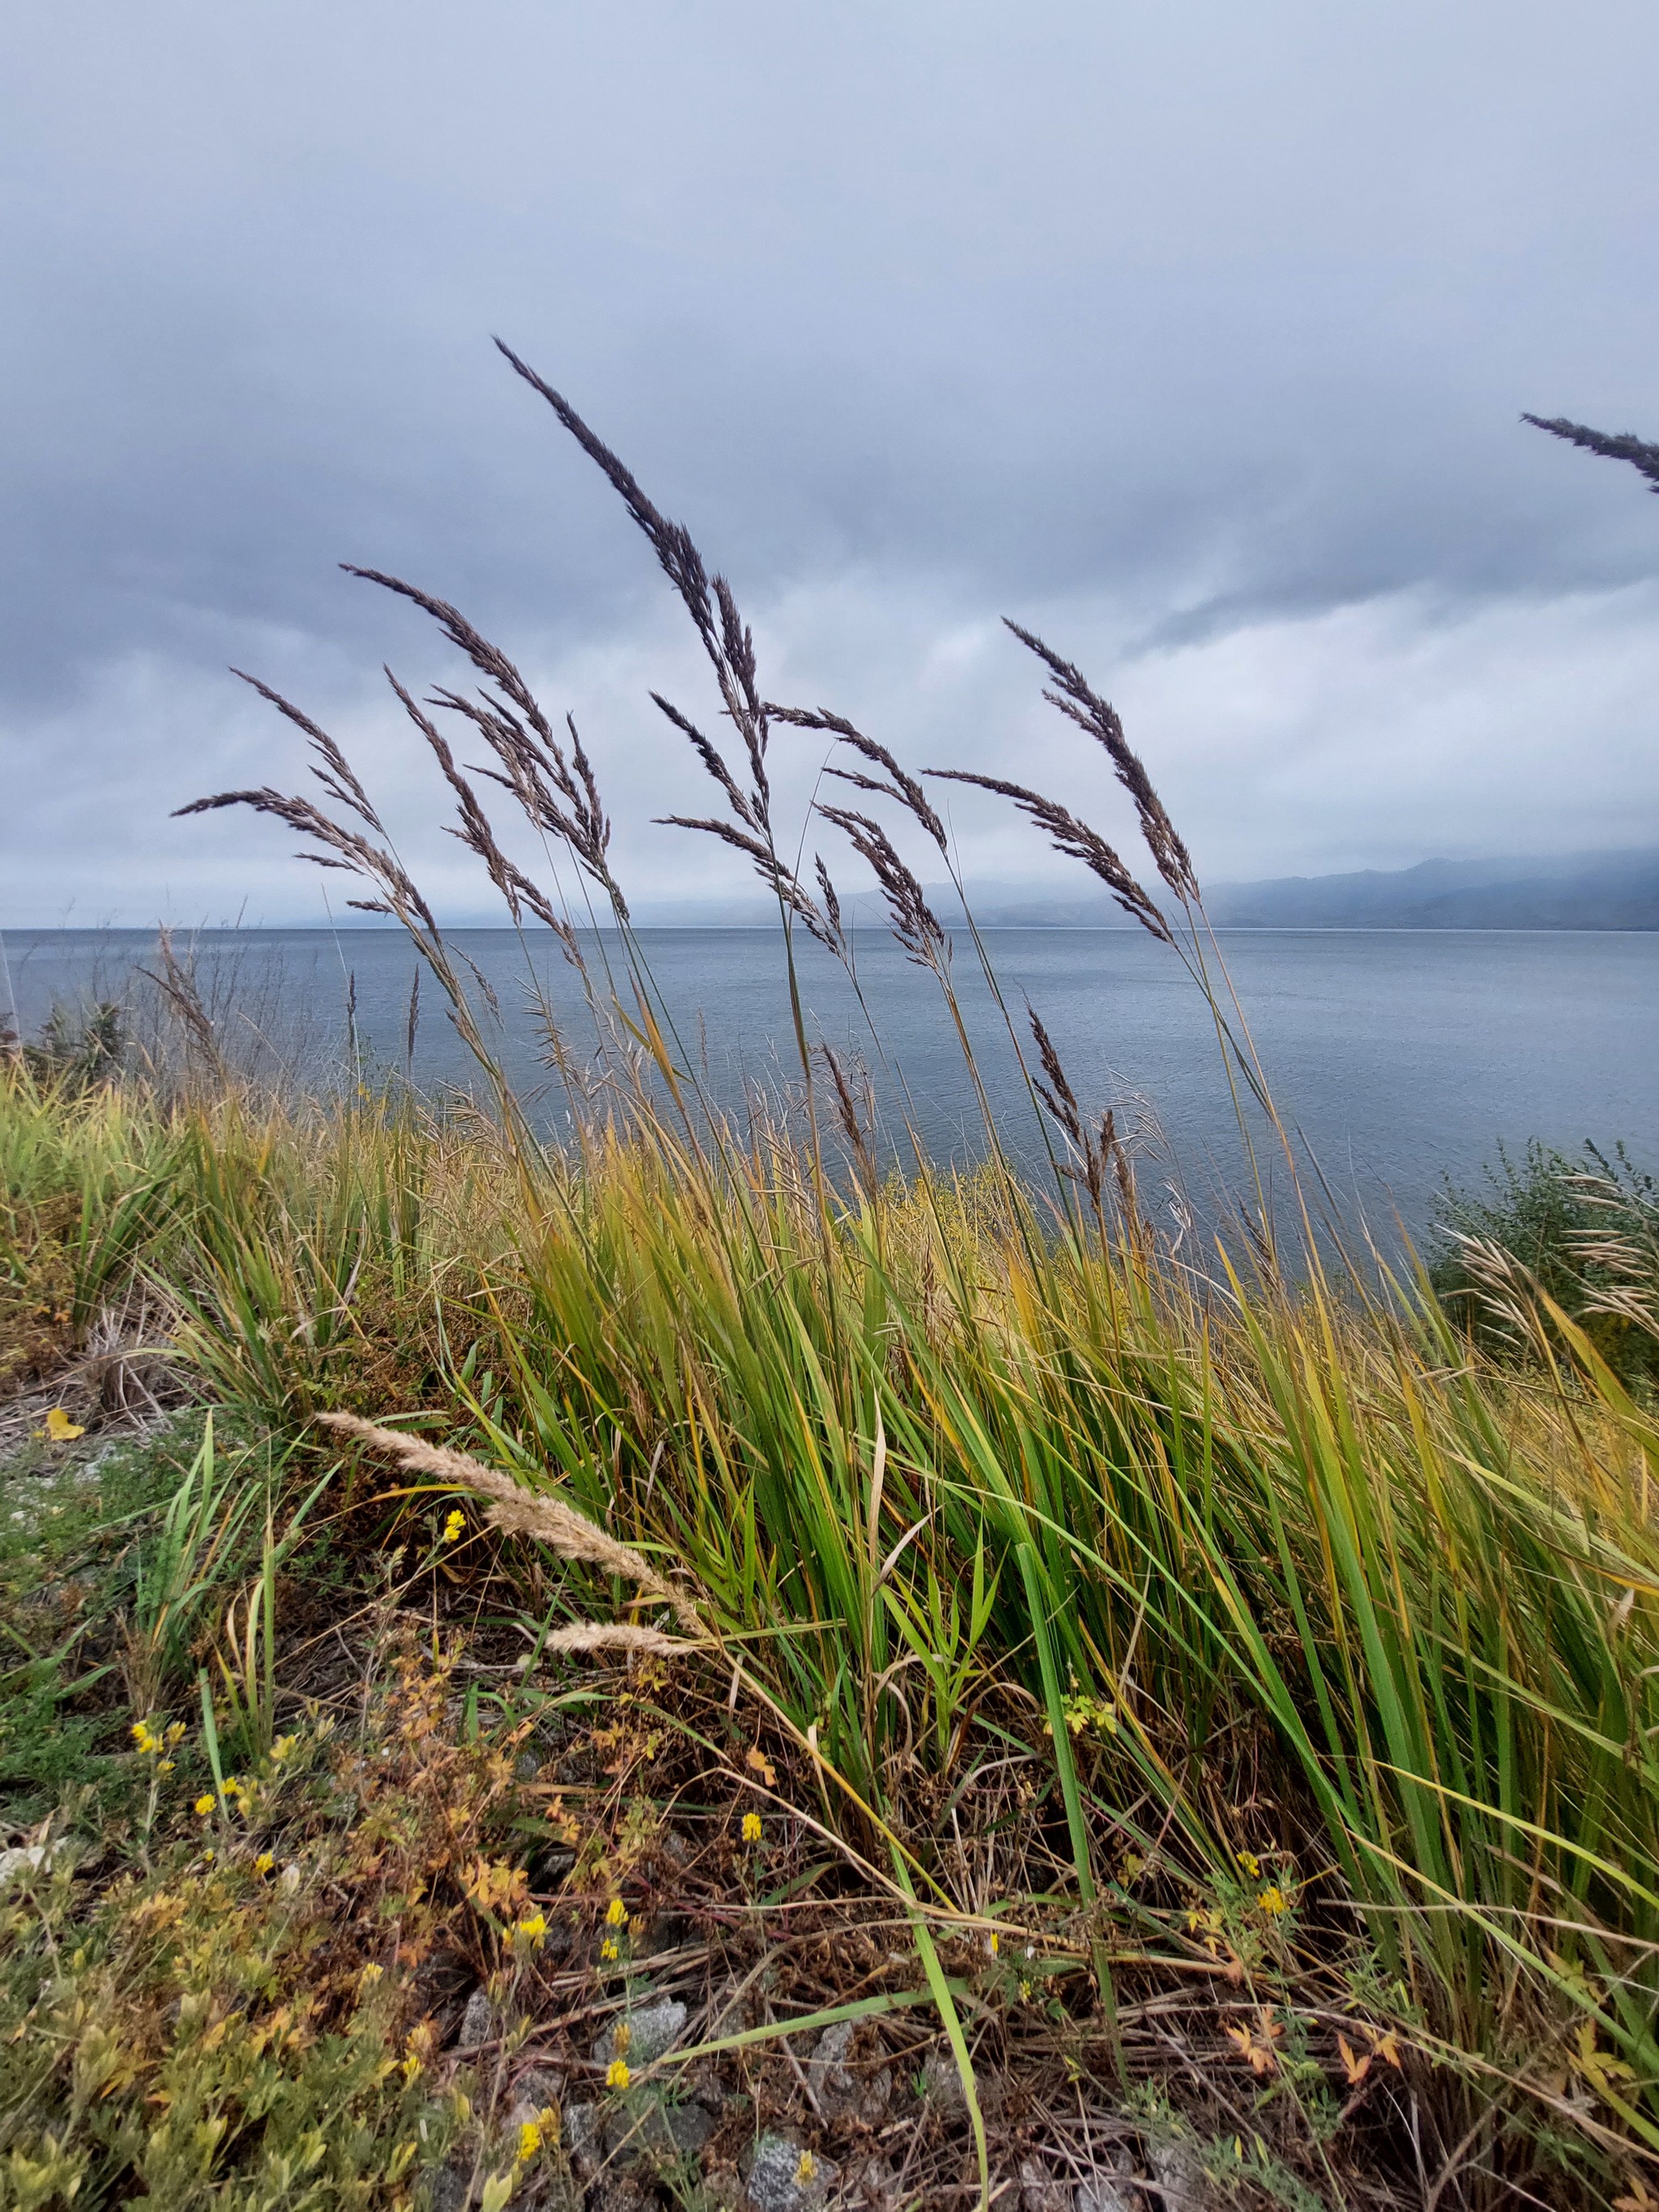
371	1974
1249	1863
454	1525
806	2169
60	1429
752	1828
616	2075
1272	1901
265	1862
608	1949
205	1804
530	2140
532	1929
616	1912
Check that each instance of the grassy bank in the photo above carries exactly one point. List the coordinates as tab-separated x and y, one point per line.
1270	1670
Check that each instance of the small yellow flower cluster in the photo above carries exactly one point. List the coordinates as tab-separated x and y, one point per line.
148	1745
454	1526
530	2140
806	2170
531	1930
615	1913
616	2075
205	1802
752	1828
1249	1864
264	1863
1272	1901
608	1950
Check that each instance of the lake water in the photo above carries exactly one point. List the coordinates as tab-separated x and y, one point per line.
1401	1056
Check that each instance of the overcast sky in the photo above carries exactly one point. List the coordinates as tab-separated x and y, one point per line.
1193	334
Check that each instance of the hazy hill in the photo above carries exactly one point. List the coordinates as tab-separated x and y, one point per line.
1579	890
1582	891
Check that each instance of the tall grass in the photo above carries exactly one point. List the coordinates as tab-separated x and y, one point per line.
1333	1647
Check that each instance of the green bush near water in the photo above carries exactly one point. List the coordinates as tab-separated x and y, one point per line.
1584	1231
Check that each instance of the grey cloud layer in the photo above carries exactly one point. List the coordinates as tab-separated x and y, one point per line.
1190	326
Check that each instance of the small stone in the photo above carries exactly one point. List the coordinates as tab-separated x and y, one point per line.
478	2022
941	2084
619	2192
533	2094
1039	2192
1105	2193
1178	2178
584	2138
656	2129
450	2189
874	2188
652	2029
842	2093
784	2176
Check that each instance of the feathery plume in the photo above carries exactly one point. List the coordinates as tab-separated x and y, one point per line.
520	1512
1084	706
1619	446
914	924
1074	838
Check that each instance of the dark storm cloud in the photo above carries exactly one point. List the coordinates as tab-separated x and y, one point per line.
1189	324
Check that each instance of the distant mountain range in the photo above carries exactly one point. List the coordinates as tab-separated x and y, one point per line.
1579	891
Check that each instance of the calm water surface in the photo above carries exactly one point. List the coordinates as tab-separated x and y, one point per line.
1401	1055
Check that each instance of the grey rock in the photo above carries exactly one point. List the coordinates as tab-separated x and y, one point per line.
941	2084
1106	2192
1177	2177
775	2181
656	2129
583	2137
1039	2190
533	2093
874	2187
450	2189
619	2192
843	2092
478	2022
652	2029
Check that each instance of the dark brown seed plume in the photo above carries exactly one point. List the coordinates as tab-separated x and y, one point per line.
831	901
772	871
730	646
1084	706
1074	838
1619	446
713	761
1057	1094
337	775
901	786
854	1126
534	767
914	922
672	543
